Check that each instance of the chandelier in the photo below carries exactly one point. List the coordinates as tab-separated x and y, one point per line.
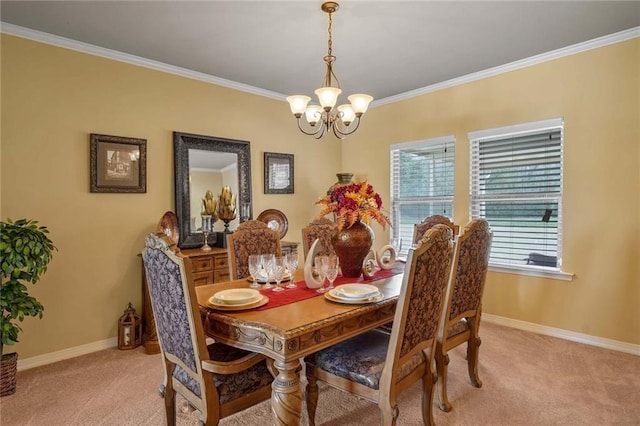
317	120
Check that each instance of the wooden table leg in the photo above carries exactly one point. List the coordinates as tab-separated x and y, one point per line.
286	397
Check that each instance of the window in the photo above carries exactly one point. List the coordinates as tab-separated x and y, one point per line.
516	184
421	184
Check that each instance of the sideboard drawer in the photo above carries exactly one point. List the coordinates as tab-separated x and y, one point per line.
221	275
202	263
221	262
202	278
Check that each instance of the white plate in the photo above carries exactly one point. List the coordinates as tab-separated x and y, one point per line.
373	299
236	296
355	291
211	303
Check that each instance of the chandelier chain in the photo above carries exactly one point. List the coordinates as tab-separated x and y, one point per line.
330	39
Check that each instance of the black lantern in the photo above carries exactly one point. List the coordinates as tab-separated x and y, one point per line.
129	329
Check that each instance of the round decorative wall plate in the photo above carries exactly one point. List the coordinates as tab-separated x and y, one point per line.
275	220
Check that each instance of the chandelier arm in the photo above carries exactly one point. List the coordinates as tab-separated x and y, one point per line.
319	134
312	133
340	133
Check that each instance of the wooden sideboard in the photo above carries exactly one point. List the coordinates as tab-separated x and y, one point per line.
208	267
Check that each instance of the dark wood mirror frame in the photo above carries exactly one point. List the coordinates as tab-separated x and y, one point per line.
182	143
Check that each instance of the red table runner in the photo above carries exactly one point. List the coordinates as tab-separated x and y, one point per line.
291	295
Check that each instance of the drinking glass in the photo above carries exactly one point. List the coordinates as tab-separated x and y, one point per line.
254	269
279	270
292	265
333	265
322	265
268	264
396	243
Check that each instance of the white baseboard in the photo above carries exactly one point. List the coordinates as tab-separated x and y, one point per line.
563	334
601	342
52	357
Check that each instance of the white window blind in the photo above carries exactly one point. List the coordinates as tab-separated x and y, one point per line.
422	175
516	184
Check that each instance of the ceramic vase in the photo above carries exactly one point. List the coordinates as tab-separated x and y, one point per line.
343	179
351	246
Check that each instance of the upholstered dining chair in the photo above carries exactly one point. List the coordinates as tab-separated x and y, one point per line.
460	320
377	366
420	228
218	380
322	229
251	237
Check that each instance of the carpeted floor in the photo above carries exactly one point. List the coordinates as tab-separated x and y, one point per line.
528	379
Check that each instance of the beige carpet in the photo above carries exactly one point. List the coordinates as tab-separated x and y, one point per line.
529	379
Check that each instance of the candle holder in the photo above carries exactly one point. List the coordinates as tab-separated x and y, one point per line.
245	212
206	230
226	225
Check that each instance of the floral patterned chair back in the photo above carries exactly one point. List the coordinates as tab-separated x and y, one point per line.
322	229
377	365
460	320
420	228
216	379
251	237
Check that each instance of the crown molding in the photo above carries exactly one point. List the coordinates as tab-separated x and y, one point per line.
79	46
523	63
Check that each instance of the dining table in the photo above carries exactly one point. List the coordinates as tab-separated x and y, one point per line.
293	325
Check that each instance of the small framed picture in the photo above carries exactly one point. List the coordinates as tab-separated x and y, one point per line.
118	164
278	173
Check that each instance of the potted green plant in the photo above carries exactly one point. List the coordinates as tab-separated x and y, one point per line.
25	253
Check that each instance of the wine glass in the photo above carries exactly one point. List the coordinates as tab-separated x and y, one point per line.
254	269
292	265
279	270
322	265
396	243
333	264
268	264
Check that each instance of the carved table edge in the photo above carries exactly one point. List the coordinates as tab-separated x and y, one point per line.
301	341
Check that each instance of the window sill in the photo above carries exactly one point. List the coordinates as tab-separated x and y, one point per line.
533	271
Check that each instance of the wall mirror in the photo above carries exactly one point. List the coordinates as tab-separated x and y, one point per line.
208	163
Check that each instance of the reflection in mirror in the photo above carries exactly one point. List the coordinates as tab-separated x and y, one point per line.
210	170
208	163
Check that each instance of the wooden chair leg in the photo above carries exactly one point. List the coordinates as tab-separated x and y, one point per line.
428	384
170	395
472	360
312	397
442	363
170	405
389	412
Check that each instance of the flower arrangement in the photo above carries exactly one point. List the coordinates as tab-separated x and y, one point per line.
354	202
209	206
226	205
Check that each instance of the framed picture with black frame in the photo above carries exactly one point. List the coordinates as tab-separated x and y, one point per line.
118	164
278	173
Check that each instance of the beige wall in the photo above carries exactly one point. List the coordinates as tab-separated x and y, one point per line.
598	94
53	98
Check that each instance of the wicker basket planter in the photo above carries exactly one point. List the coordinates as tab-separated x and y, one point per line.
8	370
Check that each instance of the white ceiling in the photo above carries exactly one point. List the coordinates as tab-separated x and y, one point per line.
384	48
